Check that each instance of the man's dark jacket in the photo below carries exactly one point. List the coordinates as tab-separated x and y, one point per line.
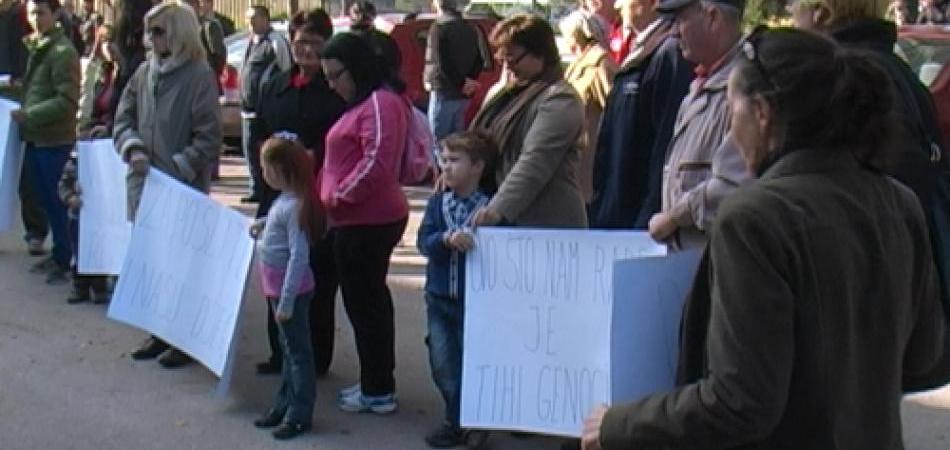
635	132
453	53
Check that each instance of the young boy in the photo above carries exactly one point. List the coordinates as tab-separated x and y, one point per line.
444	237
71	196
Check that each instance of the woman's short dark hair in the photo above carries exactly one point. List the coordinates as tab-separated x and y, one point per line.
531	32
822	95
359	60
315	21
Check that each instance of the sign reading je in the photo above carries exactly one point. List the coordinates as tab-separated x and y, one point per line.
540	350
11	160
104	228
184	275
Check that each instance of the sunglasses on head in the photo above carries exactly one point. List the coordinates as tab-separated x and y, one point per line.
750	51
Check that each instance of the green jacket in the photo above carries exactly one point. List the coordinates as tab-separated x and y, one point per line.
50	90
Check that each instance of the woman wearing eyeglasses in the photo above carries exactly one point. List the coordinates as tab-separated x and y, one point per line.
168	118
536	121
366	209
823	289
300	101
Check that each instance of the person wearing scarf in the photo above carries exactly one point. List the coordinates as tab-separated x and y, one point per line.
536	121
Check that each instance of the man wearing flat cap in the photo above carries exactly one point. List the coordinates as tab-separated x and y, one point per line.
703	164
703	167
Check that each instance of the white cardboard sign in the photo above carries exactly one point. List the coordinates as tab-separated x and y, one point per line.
104	228
11	161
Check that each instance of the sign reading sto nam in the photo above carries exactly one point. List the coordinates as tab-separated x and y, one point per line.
538	334
184	274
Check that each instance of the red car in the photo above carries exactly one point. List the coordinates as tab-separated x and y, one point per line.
927	50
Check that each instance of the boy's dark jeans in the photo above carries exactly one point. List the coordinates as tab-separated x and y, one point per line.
297	392
45	169
82	284
446	323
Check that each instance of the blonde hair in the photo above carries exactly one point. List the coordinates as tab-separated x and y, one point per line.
181	27
581	28
847	10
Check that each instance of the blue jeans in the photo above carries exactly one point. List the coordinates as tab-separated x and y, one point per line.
298	382
45	168
252	154
446	322
446	116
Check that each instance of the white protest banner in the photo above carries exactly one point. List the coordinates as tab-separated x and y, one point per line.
185	271
104	228
537	326
11	160
644	329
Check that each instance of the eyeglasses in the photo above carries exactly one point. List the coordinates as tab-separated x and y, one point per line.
156	31
751	53
507	59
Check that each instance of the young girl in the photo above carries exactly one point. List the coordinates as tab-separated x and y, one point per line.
293	222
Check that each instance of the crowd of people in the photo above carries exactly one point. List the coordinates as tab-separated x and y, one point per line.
804	162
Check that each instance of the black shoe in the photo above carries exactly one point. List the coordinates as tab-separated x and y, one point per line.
77	297
101	298
446	436
270	419
58	275
46	265
289	430
174	358
251	199
35	247
269	367
150	349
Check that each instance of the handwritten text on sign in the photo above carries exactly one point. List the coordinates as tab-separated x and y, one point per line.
537	325
104	229
11	159
184	275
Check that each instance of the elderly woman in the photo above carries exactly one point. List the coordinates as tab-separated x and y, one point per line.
366	209
590	75
824	293
536	121
168	119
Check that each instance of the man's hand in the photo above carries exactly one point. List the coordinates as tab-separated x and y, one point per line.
18	116
662	227
139	163
486	217
590	439
462	241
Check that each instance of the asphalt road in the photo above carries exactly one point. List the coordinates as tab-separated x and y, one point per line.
66	381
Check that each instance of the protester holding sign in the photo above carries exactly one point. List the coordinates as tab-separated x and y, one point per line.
48	124
294	221
366	208
168	118
823	289
536	122
445	237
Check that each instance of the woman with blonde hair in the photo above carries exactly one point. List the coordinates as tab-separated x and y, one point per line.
590	75
168	119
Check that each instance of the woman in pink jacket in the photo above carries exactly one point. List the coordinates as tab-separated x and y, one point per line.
366	209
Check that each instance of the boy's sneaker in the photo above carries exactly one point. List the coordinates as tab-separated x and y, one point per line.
446	436
381	404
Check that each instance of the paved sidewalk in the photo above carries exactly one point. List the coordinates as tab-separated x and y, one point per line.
66	381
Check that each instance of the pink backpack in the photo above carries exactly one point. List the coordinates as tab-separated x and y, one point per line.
416	165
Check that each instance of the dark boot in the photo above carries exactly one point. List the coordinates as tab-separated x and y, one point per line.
270	419
174	358
150	349
80	292
100	289
289	430
446	436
